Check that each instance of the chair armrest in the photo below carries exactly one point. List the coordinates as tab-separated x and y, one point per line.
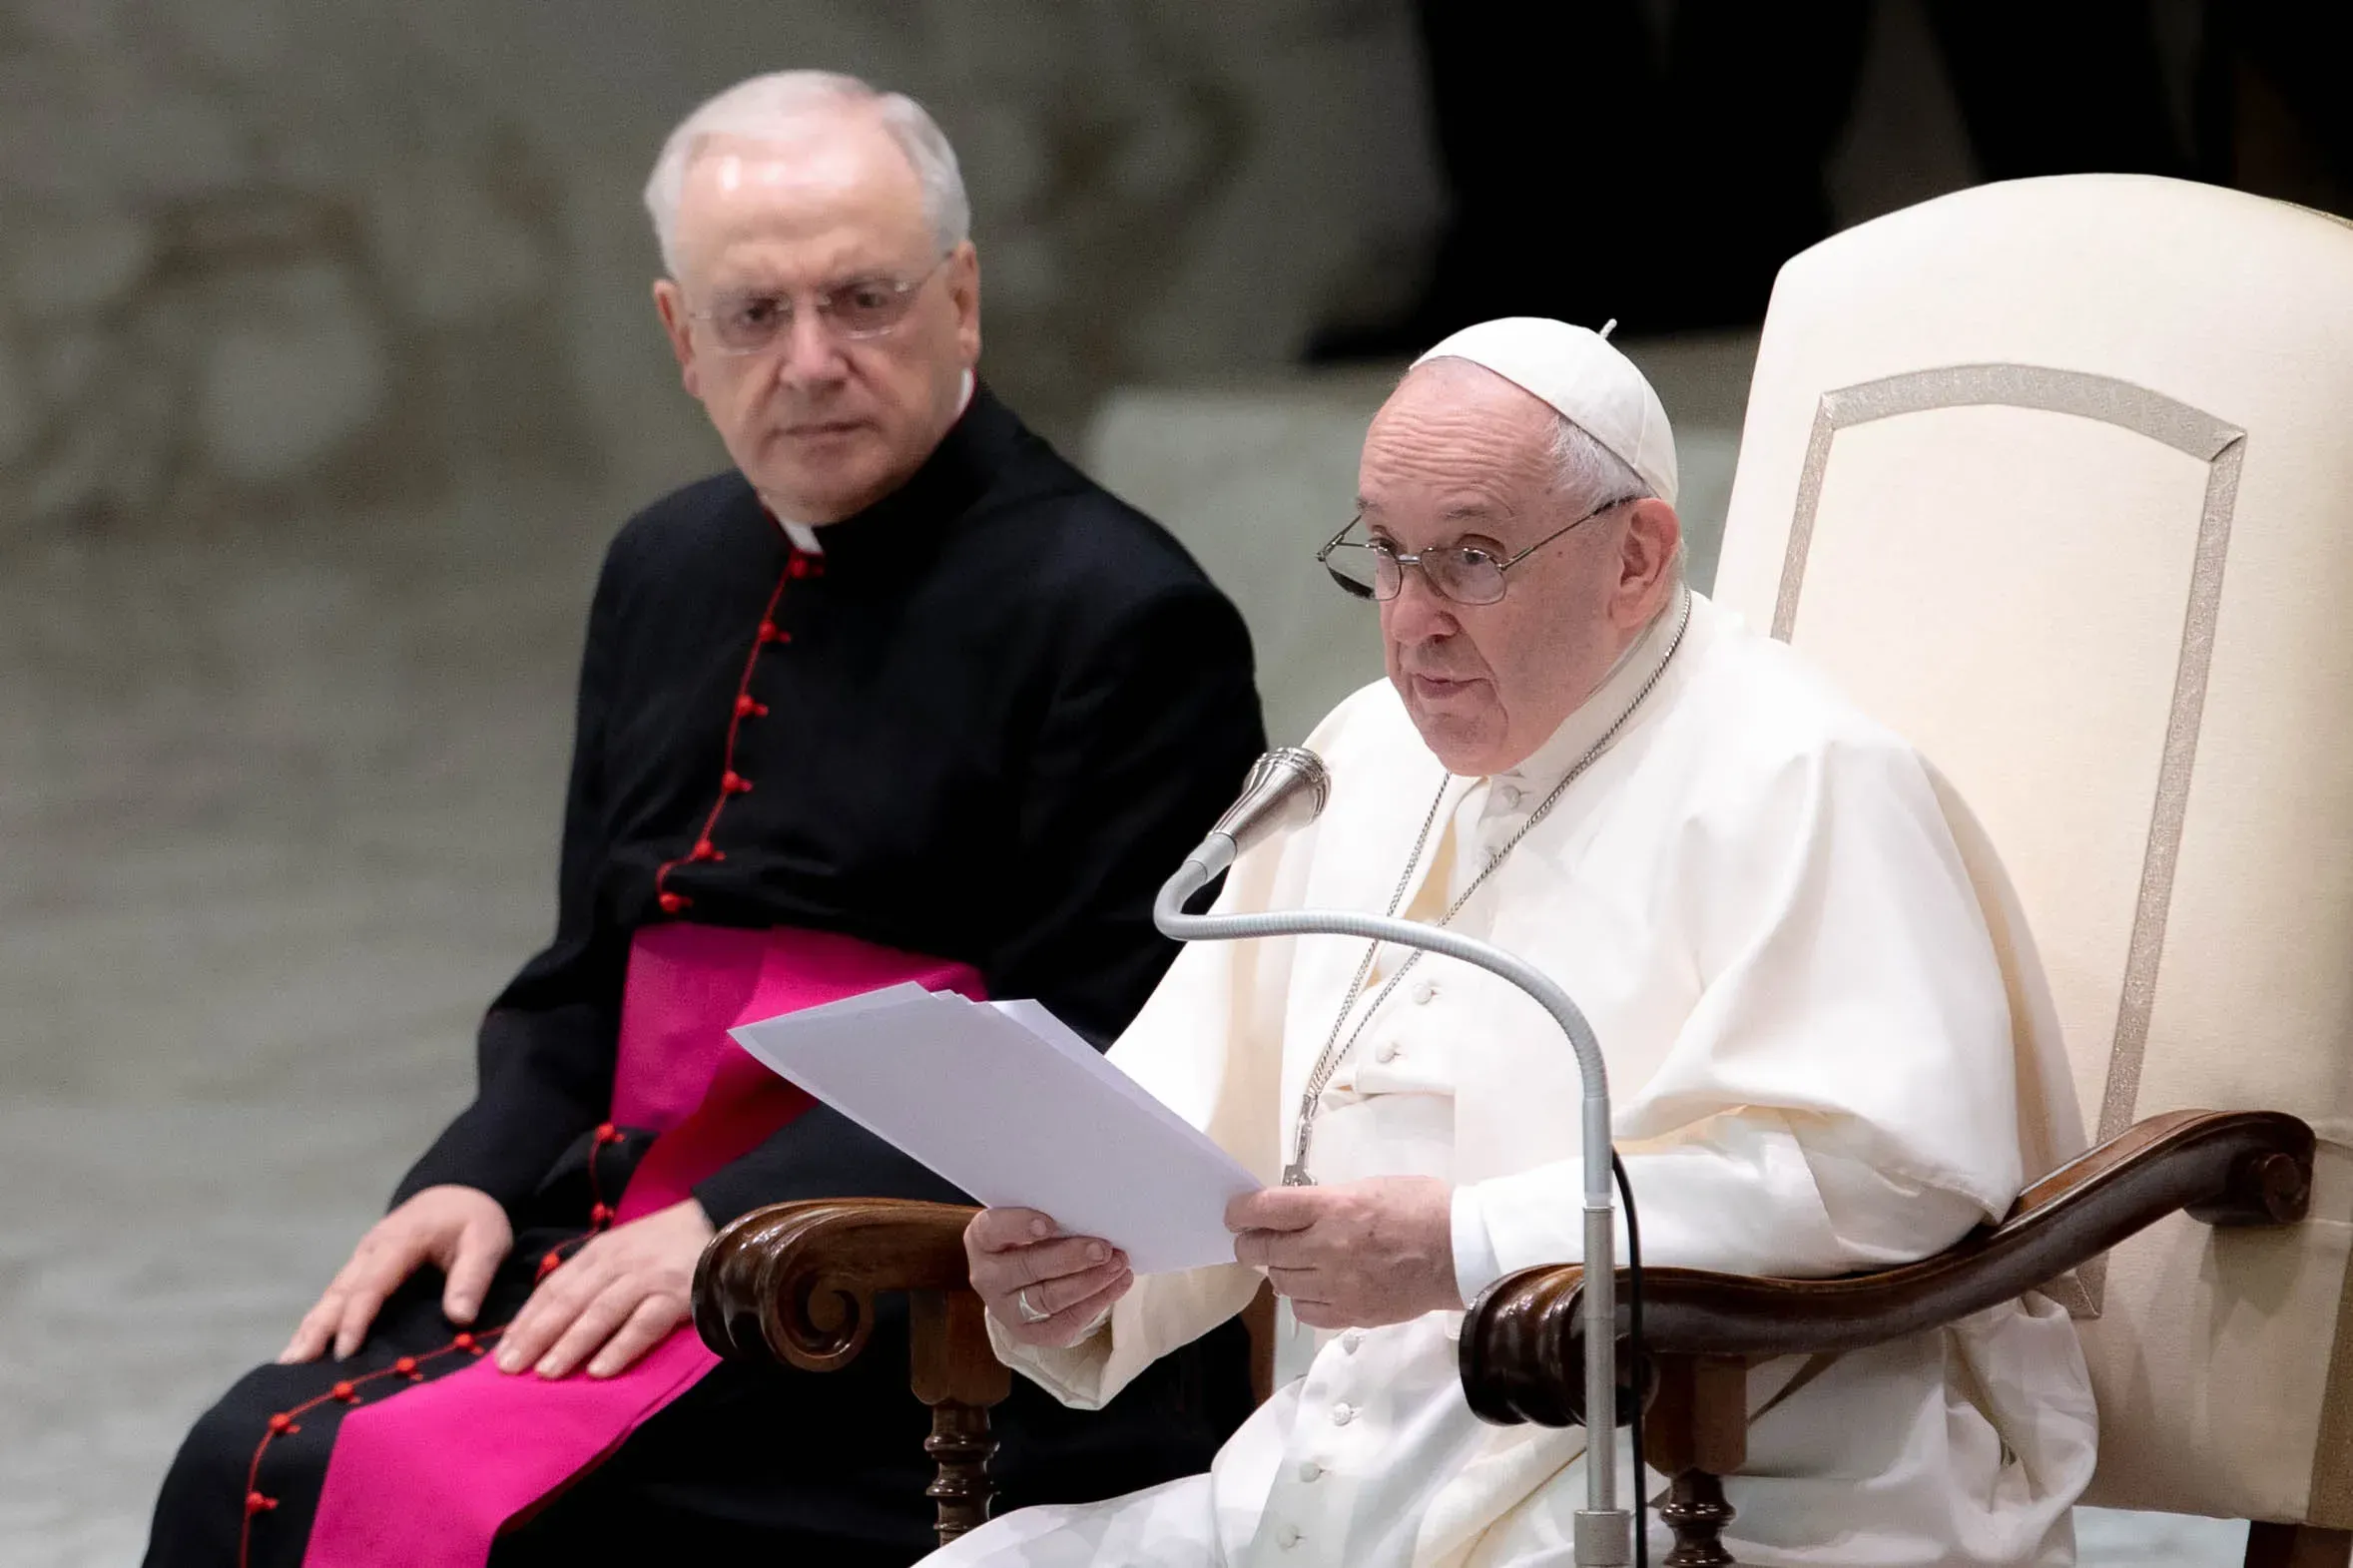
1522	1345
796	1283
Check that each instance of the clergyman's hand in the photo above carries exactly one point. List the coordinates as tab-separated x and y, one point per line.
1355	1256
462	1229
1071	1281
612	1301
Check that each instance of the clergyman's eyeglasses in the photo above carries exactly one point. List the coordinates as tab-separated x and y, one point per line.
1466	574
750	322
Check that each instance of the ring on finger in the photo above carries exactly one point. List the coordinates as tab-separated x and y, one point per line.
1029	1314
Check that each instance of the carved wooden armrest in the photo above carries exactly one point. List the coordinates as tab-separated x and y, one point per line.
1523	1344
1523	1348
796	1283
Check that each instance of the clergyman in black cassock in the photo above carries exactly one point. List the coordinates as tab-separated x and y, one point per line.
982	723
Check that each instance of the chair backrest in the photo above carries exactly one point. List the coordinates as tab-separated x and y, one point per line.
2056	477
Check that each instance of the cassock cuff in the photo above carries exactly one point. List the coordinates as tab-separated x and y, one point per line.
1475	1264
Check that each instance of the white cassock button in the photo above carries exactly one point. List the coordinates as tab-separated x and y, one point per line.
1351	1341
1343	1413
1506	796
1309	1470
1286	1537
1386	1051
1422	993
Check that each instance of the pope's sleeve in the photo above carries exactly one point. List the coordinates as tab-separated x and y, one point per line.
1843	1096
1207	1045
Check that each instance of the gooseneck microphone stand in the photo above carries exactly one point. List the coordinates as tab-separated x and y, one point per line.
1288	787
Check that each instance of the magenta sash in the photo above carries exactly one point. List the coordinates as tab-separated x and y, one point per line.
427	1479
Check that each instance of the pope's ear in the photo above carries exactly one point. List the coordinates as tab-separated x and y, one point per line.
1652	543
670	304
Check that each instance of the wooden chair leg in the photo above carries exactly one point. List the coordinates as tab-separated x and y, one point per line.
956	1373
1697	1511
2297	1546
1695	1431
961	1444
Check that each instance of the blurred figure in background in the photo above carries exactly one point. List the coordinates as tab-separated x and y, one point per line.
2272	112
901	696
1702	163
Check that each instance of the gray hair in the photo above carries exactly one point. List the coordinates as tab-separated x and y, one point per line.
1589	474
756	108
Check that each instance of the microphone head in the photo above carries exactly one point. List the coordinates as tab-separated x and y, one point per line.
1286	788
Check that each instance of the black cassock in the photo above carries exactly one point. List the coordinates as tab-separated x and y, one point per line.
984	725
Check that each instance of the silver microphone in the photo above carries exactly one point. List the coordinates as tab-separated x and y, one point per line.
1286	788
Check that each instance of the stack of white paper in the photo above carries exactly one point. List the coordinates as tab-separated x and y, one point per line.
1010	1105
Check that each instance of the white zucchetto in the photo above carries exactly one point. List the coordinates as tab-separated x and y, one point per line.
1574	370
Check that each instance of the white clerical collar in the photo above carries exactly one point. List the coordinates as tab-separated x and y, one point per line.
804	537
1608	703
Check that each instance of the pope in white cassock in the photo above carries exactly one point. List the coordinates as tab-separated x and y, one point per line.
1750	889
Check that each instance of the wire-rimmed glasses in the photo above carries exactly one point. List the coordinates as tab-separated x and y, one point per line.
1466	574
750	322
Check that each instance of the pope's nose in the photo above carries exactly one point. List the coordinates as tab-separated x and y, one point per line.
1419	613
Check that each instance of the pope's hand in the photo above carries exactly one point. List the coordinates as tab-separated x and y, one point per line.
461	1228
1066	1281
1355	1255
614	1300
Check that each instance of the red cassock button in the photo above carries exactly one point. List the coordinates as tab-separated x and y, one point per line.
736	783
599	1215
703	850
279	1425
672	902
405	1367
465	1341
256	1503
346	1393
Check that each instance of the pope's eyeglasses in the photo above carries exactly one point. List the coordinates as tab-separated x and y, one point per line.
1466	574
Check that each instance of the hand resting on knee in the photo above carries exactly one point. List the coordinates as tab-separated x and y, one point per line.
461	1228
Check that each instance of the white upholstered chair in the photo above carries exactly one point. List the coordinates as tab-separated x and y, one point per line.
2056	477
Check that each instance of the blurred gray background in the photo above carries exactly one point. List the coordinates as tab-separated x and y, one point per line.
328	367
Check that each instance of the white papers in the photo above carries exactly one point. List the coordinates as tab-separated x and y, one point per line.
1010	1105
